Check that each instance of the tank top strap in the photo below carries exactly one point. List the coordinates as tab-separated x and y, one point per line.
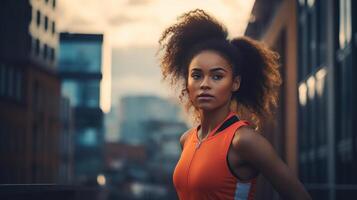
231	132
237	125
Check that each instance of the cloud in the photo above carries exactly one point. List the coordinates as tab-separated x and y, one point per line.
120	19
133	84
138	2
81	21
140	22
141	61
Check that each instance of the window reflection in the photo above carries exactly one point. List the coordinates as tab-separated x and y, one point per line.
82	93
345	28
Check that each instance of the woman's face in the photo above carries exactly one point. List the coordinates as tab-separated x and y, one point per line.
210	81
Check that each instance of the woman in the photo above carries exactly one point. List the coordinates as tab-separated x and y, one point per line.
225	81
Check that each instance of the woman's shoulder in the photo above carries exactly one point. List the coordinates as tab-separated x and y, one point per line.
250	145
246	139
184	136
244	134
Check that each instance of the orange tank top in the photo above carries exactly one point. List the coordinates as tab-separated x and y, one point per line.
203	172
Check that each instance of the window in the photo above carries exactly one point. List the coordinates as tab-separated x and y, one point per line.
38	18
312	95
345	28
80	56
10	82
2	80
348	17
71	90
88	137
45	50
82	93
18	89
46	23
52	54
10	86
35	95
345	97
37	47
91	93
53	27
302	2
310	3
322	30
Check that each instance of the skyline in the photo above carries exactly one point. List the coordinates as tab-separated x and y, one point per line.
123	24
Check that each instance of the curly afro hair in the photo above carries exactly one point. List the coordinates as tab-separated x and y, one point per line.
257	65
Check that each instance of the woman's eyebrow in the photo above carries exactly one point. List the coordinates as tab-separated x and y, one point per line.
218	69
212	70
196	69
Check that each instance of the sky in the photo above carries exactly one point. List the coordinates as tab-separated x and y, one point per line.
131	31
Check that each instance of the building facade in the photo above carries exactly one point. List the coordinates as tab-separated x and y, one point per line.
136	111
327	90
80	69
316	40
29	92
66	151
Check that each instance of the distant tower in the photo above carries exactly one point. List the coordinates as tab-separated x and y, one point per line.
80	64
138	110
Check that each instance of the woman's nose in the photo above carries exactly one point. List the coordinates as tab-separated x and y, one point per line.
205	83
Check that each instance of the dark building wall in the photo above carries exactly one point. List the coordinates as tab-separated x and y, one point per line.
318	92
262	14
28	32
345	145
29	99
275	25
327	144
43	126
30	129
66	149
15	40
315	141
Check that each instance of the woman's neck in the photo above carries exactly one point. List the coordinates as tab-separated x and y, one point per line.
211	119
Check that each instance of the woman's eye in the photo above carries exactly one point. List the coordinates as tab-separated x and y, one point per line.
217	77
195	76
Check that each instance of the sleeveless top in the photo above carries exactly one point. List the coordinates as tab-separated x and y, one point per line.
202	171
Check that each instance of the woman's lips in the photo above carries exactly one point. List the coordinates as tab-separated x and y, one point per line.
204	97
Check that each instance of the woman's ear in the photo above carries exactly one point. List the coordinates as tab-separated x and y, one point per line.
236	84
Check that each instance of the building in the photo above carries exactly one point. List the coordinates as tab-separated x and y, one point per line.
66	150
140	165
80	66
164	148
327	155
137	110
29	92
317	117
112	125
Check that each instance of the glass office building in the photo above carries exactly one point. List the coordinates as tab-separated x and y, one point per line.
317	43
80	63
327	92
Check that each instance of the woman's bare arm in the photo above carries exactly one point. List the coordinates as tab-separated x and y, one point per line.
258	152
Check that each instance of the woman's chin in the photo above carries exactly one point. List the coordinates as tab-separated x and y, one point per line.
208	106
205	107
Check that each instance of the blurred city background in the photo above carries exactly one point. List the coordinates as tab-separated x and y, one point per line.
84	113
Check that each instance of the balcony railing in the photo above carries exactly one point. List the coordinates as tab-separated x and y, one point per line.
48	191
